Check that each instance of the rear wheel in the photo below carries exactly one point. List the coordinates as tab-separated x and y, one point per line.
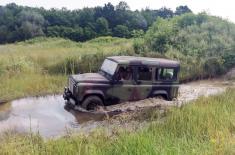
161	97
92	103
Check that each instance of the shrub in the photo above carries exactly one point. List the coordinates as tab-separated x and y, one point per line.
214	66
121	31
205	43
139	46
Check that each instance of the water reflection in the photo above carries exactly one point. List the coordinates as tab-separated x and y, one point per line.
83	116
5	111
47	115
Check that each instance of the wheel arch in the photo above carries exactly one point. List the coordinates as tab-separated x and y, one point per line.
162	93
100	95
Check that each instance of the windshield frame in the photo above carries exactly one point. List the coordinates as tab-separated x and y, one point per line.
111	73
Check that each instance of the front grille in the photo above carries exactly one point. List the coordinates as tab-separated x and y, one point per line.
71	84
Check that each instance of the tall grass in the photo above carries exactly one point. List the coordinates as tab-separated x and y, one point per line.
40	66
205	126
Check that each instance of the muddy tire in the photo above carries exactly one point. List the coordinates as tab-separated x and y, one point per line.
160	97
68	104
92	103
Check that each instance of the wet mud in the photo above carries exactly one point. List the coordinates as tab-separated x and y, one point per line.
50	117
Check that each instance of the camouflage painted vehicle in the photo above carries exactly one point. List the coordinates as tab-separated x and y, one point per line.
124	78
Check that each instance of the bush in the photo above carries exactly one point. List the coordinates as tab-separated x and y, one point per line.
205	43
121	31
158	37
139	46
229	59
214	66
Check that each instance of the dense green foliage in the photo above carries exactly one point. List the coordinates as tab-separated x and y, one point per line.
19	23
204	44
205	126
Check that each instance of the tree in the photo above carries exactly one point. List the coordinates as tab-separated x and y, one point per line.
137	21
102	26
164	13
29	30
187	20
88	33
159	36
86	17
3	34
98	12
121	31
149	16
182	10
122	6
19	23
32	17
75	34
109	14
31	24
137	33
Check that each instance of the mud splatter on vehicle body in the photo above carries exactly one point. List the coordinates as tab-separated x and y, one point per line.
124	78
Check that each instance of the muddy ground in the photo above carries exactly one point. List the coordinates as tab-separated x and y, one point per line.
50	117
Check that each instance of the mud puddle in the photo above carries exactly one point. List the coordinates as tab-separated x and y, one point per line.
51	118
187	92
47	116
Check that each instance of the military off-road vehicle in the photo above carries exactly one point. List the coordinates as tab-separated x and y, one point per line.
124	78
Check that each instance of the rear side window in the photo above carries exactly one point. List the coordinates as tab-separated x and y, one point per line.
166	74
144	73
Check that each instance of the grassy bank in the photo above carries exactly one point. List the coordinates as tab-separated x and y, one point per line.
204	127
40	66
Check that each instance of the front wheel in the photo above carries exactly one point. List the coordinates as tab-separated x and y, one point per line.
160	97
92	103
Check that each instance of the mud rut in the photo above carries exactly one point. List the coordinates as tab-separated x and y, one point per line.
48	115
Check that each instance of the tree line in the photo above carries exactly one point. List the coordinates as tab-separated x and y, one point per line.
19	23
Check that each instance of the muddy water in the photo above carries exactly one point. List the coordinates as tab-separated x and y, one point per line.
48	115
187	92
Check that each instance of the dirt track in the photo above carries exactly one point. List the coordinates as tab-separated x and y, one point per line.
187	92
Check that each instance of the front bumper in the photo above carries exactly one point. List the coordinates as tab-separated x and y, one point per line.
67	93
68	96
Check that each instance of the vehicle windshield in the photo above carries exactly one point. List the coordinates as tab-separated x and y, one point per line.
109	66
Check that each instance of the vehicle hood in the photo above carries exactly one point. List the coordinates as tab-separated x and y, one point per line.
90	78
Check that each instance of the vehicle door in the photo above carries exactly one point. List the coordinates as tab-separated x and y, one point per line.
123	86
143	82
165	81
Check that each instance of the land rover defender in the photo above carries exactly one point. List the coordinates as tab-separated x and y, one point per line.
124	78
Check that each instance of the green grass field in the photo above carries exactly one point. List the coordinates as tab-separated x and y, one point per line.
205	126
40	66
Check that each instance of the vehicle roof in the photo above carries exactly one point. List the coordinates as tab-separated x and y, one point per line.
144	61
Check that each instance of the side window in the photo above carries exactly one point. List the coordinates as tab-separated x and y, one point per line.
144	73
166	74
124	73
